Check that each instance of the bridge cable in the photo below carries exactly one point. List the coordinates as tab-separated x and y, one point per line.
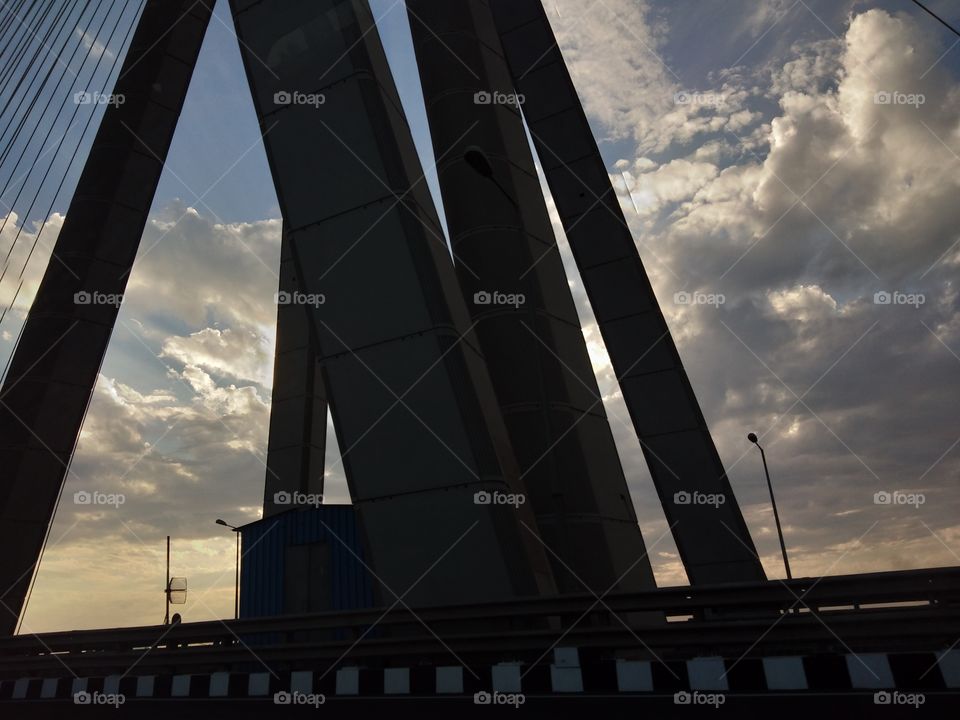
937	17
49	133
29	174
43	44
120	52
7	24
23	46
4	153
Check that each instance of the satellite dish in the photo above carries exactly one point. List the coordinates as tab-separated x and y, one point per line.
177	590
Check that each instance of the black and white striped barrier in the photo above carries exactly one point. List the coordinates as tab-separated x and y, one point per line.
877	671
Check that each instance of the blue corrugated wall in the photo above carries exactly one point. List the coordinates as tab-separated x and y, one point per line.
263	552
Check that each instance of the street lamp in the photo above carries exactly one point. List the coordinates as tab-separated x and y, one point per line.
477	161
752	437
236	588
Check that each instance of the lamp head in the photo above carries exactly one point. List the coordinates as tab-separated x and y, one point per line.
477	160
222	522
752	437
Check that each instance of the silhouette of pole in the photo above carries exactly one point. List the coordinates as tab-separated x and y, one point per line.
752	437
166	590
236	587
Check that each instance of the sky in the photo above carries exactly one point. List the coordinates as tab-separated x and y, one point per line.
790	167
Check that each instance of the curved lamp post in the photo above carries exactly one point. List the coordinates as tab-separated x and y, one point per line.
236	589
752	437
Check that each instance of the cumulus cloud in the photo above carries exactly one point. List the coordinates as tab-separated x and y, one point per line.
179	270
177	425
672	182
836	199
616	57
784	185
243	355
24	251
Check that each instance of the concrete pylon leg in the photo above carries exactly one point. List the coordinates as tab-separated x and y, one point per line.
518	295
298	412
57	361
713	541
409	391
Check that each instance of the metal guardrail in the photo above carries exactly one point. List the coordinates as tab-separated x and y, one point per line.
811	614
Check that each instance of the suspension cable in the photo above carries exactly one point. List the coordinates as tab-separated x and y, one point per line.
122	50
7	145
50	130
4	153
76	149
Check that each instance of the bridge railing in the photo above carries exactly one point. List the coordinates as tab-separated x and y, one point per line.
917	608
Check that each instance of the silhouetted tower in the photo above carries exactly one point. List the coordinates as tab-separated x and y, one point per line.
441	399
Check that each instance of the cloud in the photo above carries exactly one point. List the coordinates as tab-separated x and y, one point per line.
615	53
242	354
25	252
673	182
832	197
177	425
786	187
93	45
180	270
802	304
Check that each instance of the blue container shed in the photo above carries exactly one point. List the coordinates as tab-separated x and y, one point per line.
303	561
